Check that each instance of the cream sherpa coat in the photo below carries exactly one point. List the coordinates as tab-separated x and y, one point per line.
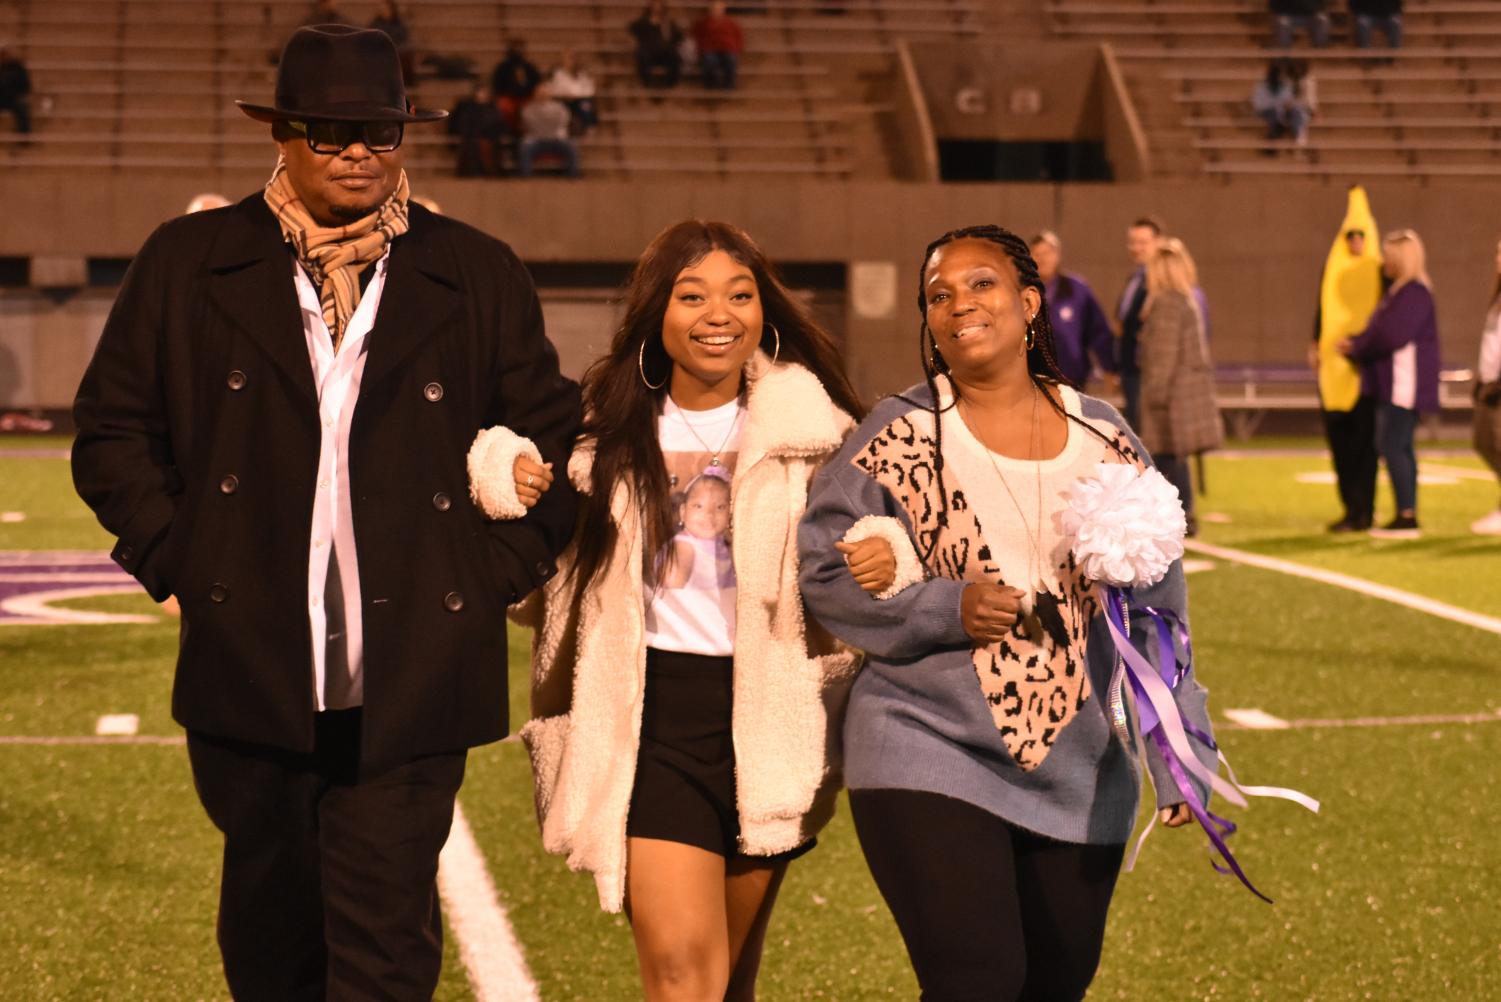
791	679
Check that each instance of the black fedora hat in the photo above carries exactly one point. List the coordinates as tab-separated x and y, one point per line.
338	73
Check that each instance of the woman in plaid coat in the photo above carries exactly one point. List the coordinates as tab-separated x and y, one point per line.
1179	417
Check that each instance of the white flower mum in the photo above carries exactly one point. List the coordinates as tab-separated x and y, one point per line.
1125	527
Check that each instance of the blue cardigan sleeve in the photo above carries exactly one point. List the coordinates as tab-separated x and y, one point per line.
911	624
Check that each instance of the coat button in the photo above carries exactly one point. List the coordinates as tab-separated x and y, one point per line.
433	392
218	593
453	601
441	501
236	380
229	484
126	552
544	568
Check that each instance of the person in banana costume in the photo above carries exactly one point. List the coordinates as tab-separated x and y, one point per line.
1349	289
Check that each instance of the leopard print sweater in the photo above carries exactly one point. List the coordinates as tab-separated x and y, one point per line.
1035	680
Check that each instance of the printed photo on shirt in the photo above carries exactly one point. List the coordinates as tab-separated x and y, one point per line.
698	555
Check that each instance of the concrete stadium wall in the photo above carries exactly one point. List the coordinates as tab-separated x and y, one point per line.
1259	246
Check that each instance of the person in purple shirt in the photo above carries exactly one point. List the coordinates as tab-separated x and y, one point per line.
1399	363
1081	331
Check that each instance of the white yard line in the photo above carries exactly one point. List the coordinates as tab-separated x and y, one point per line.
1463	472
31	557
1238	723
1385	592
1253	719
117	725
35	608
487	944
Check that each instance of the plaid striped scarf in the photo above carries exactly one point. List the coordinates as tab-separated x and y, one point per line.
335	256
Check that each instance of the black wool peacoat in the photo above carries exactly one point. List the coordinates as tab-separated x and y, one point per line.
198	440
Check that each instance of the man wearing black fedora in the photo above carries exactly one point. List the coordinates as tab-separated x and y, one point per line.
275	426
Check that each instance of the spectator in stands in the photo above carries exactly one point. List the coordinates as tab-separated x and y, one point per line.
15	89
481	131
1286	99
1179	418
1142	238
513	81
324	12
720	43
1305	102
1271	96
1369	15
1290	16
544	124
573	84
388	19
1399	361
658	61
1081	333
1488	399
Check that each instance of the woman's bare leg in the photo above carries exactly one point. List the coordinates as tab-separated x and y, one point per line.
750	891
676	898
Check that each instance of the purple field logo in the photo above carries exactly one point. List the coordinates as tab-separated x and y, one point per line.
31	581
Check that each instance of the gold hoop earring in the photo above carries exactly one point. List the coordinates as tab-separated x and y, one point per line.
641	367
1031	336
935	360
776	352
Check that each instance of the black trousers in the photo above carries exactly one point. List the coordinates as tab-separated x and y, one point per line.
1177	471
989	912
1352	443
329	887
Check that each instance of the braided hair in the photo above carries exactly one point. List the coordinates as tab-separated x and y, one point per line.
1042	363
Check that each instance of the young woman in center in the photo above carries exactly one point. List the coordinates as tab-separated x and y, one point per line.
991	794
685	731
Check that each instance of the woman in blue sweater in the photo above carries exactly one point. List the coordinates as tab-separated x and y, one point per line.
1399	362
990	791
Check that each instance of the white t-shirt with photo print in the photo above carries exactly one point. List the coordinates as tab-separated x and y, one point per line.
690	588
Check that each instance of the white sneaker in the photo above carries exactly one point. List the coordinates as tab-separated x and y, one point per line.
1490	525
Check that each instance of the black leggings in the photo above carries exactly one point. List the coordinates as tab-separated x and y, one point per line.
988	911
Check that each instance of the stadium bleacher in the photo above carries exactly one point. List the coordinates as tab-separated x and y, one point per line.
1428	109
150	84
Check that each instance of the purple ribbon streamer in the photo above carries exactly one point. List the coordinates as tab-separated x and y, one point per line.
1169	744
1217	828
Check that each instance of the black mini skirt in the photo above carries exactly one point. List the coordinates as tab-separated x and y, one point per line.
685	769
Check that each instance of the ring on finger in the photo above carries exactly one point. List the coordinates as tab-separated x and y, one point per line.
529	479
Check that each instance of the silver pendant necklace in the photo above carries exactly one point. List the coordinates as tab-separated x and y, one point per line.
714	454
1031	624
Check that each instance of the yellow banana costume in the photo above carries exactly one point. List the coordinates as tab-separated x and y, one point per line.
1347	297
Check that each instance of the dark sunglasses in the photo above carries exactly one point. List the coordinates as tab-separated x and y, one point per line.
333	137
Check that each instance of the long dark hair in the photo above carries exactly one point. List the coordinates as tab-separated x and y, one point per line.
620	410
1042	363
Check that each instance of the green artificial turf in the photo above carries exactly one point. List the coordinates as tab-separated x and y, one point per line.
1270	512
42	490
108	866
108	876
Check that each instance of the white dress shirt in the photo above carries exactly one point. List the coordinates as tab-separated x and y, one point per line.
337	377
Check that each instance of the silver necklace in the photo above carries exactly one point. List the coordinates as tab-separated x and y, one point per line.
713	453
1034	564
